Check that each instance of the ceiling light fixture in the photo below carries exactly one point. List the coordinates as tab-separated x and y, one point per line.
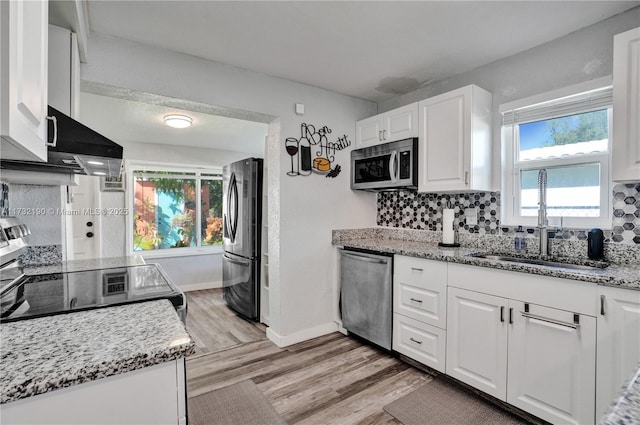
178	121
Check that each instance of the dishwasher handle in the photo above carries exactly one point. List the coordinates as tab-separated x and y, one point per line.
365	258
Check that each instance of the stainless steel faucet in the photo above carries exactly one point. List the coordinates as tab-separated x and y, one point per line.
542	212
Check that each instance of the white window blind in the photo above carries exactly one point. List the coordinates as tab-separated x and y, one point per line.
584	102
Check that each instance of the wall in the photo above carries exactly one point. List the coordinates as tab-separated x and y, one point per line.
302	210
581	56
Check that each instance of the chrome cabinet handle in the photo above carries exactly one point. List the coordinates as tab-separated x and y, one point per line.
380	136
54	142
417	269
415	300
511	316
416	341
574	325
602	305
466	177
384	135
502	314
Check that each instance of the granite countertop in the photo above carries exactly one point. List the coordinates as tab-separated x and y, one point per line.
48	353
626	276
626	408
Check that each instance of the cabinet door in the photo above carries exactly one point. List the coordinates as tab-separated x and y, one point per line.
477	340
400	123
369	131
551	361
444	150
618	342
419	341
24	67
420	289
625	147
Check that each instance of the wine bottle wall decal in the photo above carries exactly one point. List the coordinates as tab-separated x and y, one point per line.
313	152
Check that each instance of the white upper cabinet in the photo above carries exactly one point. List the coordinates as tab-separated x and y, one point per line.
23	82
455	141
625	145
64	71
397	124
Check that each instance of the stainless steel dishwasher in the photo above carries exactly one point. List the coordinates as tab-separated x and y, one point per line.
366	295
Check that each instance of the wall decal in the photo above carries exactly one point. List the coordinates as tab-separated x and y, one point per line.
313	152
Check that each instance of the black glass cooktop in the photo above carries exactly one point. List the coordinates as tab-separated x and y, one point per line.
56	293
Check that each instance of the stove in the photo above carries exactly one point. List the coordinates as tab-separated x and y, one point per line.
27	296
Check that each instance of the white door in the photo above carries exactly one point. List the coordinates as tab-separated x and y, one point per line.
400	123
83	224
618	342
477	340
552	359
369	131
443	159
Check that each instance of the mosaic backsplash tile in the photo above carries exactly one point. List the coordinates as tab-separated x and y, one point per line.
423	211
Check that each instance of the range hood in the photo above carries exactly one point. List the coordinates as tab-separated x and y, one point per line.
78	150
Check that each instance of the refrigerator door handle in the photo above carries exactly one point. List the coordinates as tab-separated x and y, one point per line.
232	202
236	261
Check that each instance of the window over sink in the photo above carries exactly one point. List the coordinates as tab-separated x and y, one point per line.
567	132
176	210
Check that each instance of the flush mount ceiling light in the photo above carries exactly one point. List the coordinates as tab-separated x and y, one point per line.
178	121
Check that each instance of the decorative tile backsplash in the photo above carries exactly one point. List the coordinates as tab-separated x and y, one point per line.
423	211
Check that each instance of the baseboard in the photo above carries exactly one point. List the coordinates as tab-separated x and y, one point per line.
303	335
200	286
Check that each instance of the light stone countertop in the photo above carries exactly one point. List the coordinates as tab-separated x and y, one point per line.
48	353
625	276
626	408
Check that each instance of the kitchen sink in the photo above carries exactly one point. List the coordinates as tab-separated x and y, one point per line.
584	265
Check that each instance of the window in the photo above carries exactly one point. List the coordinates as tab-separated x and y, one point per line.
567	134
178	209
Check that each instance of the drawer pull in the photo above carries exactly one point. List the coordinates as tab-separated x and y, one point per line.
415	300
502	313
574	325
416	341
417	269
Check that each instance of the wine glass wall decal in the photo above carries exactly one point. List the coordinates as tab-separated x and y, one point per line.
291	145
316	161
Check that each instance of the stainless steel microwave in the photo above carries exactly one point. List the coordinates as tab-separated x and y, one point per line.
388	166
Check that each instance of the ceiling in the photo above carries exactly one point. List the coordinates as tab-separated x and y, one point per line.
372	50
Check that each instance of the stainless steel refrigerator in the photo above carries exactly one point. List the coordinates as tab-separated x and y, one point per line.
242	230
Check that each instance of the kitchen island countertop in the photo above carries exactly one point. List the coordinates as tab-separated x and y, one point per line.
626	408
48	353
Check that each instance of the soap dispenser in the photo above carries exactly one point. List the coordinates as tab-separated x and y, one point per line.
520	242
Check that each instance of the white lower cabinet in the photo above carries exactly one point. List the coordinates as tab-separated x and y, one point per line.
420	310
618	342
539	359
151	395
551	363
477	340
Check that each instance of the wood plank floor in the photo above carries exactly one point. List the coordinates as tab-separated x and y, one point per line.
333	379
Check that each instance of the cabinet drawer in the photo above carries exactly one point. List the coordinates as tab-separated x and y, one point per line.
420	290
419	341
425	305
427	274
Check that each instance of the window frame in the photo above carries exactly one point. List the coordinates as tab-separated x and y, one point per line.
197	173
511	167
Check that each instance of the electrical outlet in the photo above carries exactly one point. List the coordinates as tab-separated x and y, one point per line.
471	216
